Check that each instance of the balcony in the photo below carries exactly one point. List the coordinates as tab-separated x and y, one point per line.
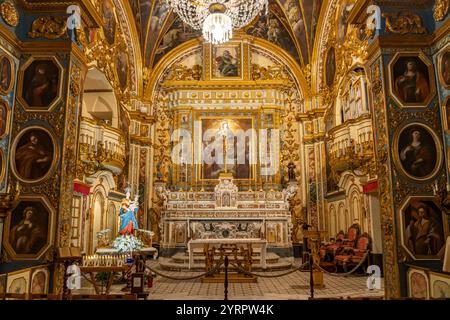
101	147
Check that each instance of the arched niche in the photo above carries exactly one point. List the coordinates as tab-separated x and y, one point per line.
99	100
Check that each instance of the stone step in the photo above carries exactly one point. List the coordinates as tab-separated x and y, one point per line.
181	257
170	265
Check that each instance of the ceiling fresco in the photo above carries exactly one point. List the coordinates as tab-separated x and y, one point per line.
160	30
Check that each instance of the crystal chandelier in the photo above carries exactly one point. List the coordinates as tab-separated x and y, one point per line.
217	18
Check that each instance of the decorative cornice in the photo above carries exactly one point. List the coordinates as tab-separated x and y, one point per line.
139	116
89	14
311	114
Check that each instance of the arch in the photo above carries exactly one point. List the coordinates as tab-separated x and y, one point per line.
97	217
333	225
342	220
99	99
277	53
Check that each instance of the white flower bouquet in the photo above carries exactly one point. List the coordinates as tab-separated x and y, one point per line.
127	243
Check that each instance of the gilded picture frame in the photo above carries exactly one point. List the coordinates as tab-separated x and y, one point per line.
3	165
404	63
38	202
444	67
226	61
439	285
12	74
5	124
55	154
39	281
433	225
23	74
445	110
407	161
18	281
418	283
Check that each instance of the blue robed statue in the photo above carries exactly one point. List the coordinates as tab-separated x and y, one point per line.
127	214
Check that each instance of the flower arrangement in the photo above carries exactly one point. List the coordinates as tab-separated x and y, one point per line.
127	243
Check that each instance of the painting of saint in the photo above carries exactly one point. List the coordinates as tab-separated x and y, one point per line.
5	75
447	114
417	151
40	83
445	69
33	154
109	21
330	67
3	118
29	227
214	133
423	226
122	69
418	286
411	80
227	61
39	281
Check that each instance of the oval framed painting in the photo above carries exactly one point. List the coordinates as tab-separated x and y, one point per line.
444	68
417	151
34	154
6	74
330	67
4	118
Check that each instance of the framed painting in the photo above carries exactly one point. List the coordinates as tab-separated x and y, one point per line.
6	74
39	280
40	83
34	154
238	147
439	285
418	283
28	228
2	165
411	79
417	151
330	67
122	68
446	114
226	61
18	282
444	68
423	228
5	113
109	21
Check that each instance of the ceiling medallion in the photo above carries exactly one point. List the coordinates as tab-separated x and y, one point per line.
9	13
217	18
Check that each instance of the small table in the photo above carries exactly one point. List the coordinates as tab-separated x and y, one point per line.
202	242
91	271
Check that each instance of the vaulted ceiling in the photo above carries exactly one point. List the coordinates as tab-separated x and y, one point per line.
291	24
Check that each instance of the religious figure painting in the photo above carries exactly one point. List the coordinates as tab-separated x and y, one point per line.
343	20
418	153
28	228
39	281
6	75
122	68
423	228
41	81
412	82
330	67
417	284
226	61
4	118
445	69
109	21
33	154
18	282
447	114
440	289
218	133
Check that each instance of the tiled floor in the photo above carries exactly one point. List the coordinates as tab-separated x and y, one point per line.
292	286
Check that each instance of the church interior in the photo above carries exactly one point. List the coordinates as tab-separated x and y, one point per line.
252	149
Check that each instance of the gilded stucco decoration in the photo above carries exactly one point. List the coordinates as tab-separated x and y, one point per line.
49	27
9	13
441	9
404	22
382	149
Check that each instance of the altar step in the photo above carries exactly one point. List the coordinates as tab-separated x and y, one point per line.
183	258
180	262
